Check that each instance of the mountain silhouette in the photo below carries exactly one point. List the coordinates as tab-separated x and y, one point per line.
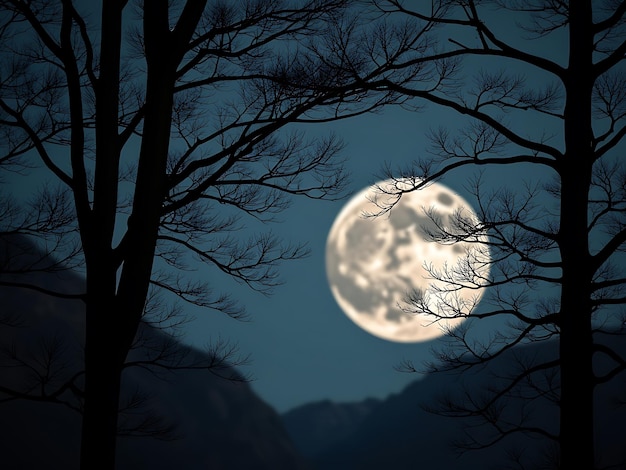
317	426
221	424
199	420
399	433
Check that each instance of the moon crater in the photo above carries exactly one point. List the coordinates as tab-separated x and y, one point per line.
373	263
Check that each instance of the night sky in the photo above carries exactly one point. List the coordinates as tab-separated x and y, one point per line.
302	346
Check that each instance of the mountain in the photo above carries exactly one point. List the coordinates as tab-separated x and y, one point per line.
212	422
221	424
398	433
317	426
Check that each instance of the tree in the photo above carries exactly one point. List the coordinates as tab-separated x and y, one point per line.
560	113
155	127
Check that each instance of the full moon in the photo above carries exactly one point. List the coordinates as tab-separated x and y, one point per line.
372	263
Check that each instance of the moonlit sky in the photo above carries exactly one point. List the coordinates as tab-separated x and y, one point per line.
302	347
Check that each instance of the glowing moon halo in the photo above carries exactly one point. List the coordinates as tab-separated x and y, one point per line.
372	263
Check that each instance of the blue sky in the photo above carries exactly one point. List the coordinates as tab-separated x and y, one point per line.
302	347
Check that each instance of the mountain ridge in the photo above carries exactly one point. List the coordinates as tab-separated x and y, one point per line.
204	421
399	433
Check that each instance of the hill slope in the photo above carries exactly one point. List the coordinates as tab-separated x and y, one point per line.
217	423
398	433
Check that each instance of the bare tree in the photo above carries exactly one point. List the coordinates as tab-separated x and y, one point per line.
156	127
555	245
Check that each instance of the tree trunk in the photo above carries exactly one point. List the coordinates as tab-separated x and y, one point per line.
112	323
577	414
104	353
103	367
576	408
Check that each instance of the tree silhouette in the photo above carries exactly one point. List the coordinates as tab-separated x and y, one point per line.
555	243
154	129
